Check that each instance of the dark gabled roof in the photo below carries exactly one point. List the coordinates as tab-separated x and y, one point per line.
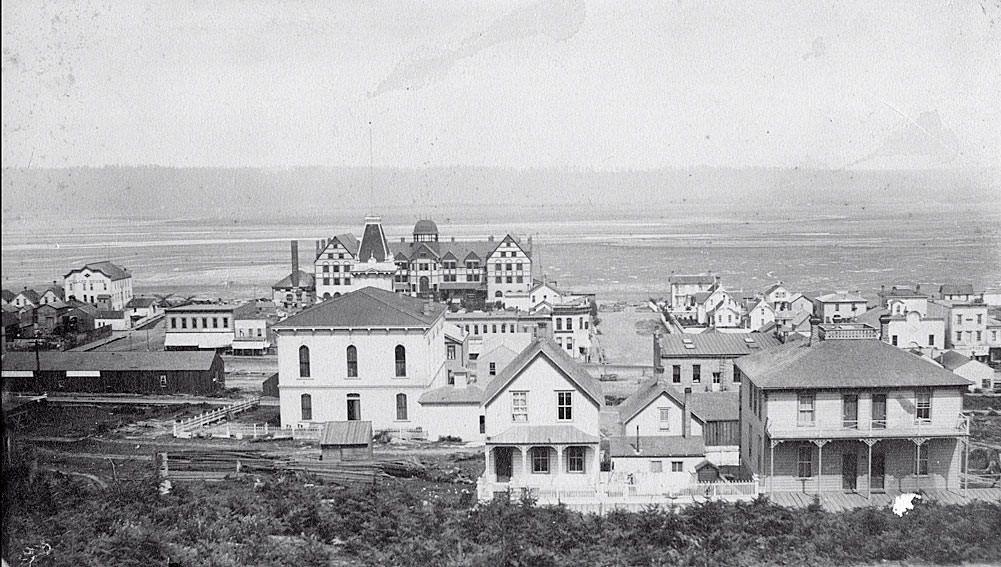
646	394
8	295
570	368
30	294
110	361
346	433
306	281
705	406
347	240
952	360
871	317
682	279
57	290
366	307
470	394
843	363
141	302
726	345
656	446
773	287
956	289
113	271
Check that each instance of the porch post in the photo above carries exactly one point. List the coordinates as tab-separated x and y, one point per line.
771	464
524	463
559	459
820	462
487	473
919	443
868	476
966	464
597	463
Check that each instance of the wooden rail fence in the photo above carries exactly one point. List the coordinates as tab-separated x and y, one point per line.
186	427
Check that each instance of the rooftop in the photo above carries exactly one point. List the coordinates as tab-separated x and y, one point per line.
367	307
306	281
692	279
470	394
845	363
346	433
109	269
112	361
726	345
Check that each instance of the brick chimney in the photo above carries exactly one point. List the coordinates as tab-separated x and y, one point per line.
658	366
295	263
686	418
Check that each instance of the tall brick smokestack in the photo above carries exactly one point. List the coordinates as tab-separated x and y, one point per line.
295	263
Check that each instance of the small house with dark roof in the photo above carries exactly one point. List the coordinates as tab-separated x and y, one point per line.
114	372
52	295
346	441
957	292
26	298
979	374
848	412
839	306
8	296
542	424
367	355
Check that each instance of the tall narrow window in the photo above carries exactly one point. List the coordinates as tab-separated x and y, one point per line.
879	411
849	411
540	460
804	462
564	406
450	352
676	373
304	361
493	369
696	373
401	407
923	404
920	459
665	419
401	360
352	355
306	404
519	406
575	459
806	409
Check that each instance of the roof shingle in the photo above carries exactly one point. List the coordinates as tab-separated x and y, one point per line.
366	307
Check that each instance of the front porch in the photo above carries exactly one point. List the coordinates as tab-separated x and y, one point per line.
540	466
864	466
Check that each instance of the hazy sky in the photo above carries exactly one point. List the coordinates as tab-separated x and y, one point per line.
603	85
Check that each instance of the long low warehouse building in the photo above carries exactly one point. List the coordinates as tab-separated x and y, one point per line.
114	372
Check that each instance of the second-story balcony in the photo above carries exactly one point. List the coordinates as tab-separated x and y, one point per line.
870	429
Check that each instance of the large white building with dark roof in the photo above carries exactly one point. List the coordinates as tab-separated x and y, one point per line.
103	284
367	355
424	266
848	412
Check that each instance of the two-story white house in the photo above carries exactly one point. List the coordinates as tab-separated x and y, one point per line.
104	284
368	355
966	329
542	425
685	286
839	306
847	412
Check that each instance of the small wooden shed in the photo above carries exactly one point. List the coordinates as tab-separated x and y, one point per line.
707	472
346	441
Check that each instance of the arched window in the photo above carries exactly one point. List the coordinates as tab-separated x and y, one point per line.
326	296
401	407
307	407
352	362
499	294
401	360
304	361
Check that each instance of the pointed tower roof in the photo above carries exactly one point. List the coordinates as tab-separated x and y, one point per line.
373	242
